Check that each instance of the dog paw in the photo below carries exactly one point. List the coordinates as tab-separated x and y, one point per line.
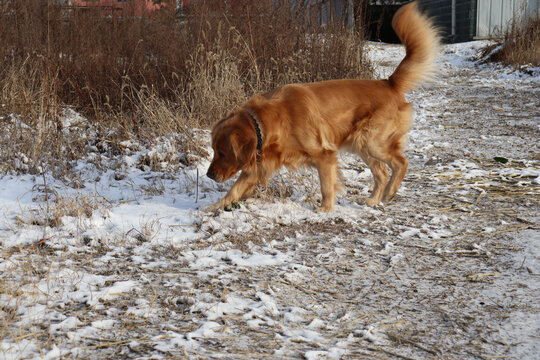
233	206
220	206
371	202
325	209
213	207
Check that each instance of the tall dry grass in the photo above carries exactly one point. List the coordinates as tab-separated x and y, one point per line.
151	76
521	45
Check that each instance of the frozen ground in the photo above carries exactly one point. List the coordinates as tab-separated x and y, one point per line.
118	262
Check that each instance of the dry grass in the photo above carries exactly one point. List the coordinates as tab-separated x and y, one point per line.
521	45
150	76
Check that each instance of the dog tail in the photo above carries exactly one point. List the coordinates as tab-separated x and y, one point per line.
422	41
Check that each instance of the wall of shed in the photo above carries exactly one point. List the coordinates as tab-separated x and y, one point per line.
494	16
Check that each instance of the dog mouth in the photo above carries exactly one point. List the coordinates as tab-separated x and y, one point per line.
219	177
212	175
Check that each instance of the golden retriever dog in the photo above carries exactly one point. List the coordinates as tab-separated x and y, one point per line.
307	124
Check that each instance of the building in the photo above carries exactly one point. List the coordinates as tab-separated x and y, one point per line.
464	20
122	7
459	20
494	16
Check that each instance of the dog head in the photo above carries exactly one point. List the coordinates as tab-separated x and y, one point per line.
234	142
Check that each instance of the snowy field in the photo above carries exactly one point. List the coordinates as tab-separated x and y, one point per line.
119	261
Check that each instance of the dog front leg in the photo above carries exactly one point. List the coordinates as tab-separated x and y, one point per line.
243	185
327	168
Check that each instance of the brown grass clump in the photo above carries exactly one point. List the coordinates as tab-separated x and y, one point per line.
521	45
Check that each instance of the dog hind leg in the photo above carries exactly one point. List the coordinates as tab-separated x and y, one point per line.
398	163
380	178
390	154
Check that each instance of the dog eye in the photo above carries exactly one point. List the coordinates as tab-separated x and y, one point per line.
221	154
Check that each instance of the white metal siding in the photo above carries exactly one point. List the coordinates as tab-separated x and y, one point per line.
494	16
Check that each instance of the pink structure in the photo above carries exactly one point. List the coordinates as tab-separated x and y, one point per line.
125	7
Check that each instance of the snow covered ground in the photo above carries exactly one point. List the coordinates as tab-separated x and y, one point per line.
122	263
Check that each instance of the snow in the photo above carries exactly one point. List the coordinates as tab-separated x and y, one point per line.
135	268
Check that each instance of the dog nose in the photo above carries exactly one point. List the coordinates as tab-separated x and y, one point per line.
211	174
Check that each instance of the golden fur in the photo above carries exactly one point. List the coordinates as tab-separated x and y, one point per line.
307	124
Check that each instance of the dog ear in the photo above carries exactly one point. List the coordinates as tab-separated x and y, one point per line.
222	121
244	147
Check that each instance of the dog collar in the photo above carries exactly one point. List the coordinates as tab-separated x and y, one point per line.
258	131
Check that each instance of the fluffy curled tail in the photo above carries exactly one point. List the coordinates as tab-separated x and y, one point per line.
421	40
